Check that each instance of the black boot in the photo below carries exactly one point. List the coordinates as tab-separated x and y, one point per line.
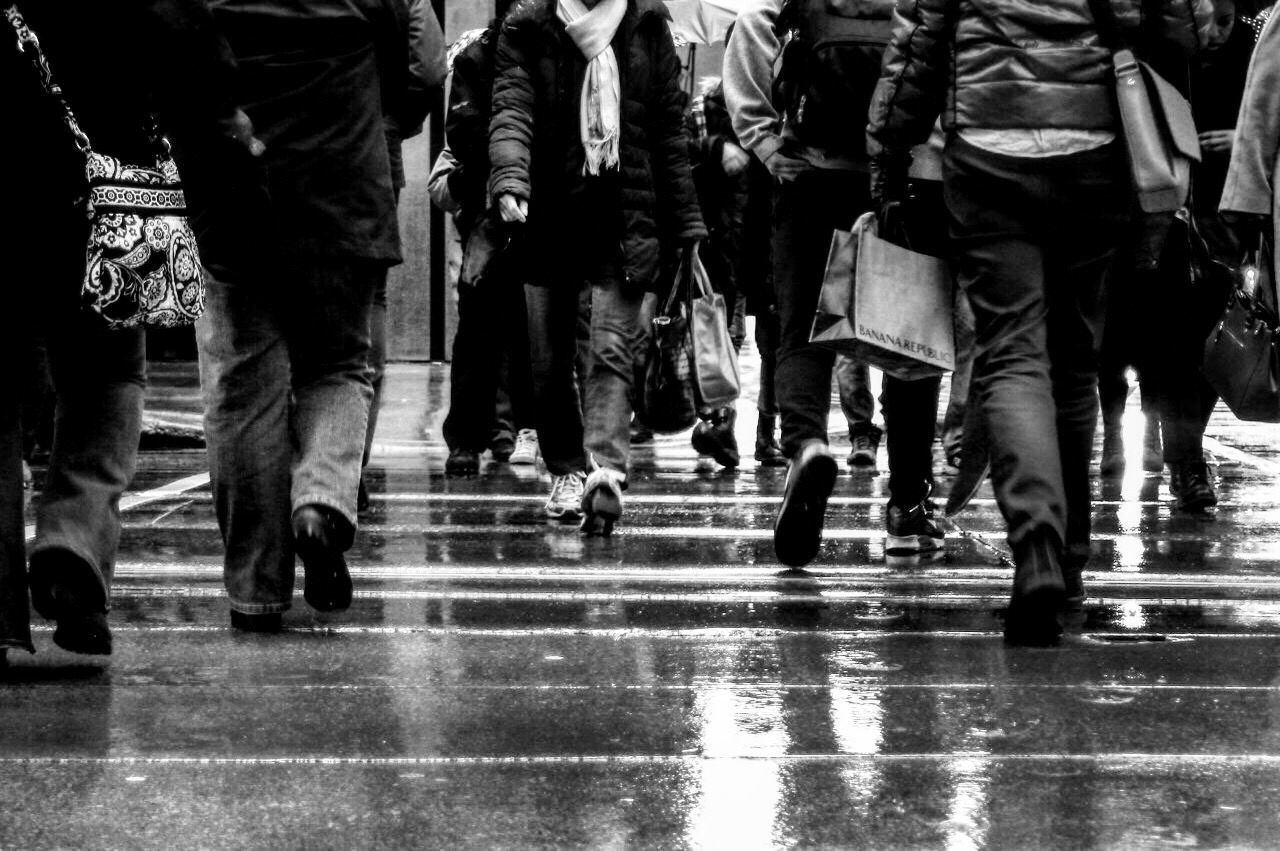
1034	616
1192	486
768	452
714	436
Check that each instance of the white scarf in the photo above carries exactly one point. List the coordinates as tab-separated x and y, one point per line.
599	105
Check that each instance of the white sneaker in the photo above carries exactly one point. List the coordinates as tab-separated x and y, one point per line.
565	502
526	451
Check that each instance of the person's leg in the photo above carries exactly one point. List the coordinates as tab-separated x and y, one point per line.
806	211
244	375
328	340
957	400
910	410
615	327
853	379
473	383
768	450
553	320
377	360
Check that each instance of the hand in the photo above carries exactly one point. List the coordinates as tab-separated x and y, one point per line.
1217	141
733	159
240	128
889	178
785	168
513	209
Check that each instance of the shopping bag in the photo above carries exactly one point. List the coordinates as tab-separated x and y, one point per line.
886	305
715	360
1242	353
667	397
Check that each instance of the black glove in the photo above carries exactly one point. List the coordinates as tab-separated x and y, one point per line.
889	189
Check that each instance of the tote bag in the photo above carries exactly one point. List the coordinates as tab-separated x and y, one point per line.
886	305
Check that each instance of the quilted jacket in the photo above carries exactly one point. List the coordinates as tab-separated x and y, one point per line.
1030	64
535	150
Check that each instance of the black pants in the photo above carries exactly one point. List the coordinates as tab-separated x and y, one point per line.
1032	241
491	345
806	211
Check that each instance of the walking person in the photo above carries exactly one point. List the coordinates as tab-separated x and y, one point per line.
98	374
811	138
1036	190
589	154
295	244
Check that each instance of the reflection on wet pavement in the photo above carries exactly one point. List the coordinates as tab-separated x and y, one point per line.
502	681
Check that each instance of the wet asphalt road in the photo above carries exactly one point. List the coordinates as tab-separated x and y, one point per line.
501	681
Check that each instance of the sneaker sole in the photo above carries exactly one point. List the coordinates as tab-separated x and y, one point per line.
797	534
522	460
911	544
566	515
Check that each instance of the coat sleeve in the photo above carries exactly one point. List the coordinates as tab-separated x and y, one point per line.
749	60
426	67
200	84
1250	186
677	198
511	127
913	77
391	45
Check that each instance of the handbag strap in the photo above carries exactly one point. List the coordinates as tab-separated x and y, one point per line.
29	45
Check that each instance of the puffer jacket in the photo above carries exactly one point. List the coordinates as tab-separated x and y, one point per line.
535	150
1026	64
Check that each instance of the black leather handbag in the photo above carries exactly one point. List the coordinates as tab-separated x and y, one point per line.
1242	352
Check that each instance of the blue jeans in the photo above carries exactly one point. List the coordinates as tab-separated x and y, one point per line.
567	430
284	370
1032	241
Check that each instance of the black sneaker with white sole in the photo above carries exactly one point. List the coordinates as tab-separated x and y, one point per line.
911	530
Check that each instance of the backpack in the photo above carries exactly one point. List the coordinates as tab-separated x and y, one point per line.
830	67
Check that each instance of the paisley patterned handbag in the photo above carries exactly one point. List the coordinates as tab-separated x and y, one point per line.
142	264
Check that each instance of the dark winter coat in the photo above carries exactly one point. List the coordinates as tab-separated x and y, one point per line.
1013	64
466	126
649	204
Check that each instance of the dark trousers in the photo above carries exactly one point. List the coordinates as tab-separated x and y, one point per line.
806	211
1032	241
490	349
1165	315
98	379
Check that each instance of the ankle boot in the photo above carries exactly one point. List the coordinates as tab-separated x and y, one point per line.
768	452
1112	451
1192	486
1152	446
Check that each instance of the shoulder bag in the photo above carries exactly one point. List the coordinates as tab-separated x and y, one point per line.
142	266
1242	352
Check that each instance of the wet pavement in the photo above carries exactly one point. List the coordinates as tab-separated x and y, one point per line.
501	681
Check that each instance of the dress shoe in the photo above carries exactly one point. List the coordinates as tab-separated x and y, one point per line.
66	589
797	533
1034	616
262	622
768	452
321	536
